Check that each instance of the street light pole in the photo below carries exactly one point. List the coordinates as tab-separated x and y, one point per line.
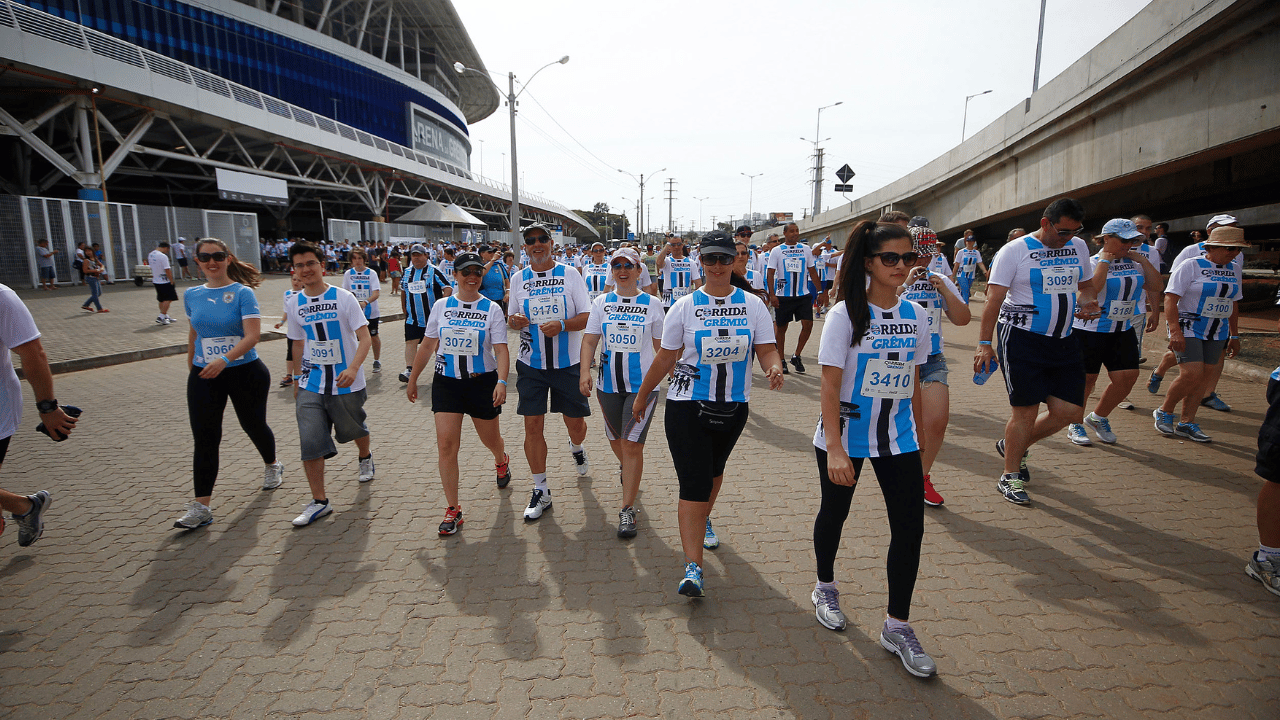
512	95
751	196
964	123
817	160
1035	80
700	199
639	215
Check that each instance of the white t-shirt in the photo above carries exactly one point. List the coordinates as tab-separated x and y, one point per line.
328	323
179	250
1043	283
717	339
362	284
17	327
44	257
549	295
878	378
790	265
159	262
1196	250
678	276
628	327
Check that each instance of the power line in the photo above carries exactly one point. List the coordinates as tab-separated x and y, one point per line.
566	132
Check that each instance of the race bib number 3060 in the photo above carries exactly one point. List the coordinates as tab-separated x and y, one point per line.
211	348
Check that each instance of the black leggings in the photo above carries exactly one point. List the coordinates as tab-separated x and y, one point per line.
902	483
247	386
700	437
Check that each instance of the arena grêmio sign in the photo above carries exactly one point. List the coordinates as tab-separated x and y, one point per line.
434	137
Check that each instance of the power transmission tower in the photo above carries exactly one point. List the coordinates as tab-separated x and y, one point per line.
817	182
671	196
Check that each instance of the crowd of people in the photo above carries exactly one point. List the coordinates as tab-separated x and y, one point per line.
614	325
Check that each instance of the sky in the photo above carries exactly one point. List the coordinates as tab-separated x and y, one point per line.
712	90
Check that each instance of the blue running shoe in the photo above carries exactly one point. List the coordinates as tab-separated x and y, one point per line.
1191	431
1213	402
1164	421
1153	383
710	541
691	585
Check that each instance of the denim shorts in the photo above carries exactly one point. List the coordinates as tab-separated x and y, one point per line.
934	370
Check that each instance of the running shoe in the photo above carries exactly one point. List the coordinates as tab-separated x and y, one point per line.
272	476
539	502
286	381
785	371
627	522
580	459
691	585
1213	402
1125	405
86	307
1266	572
452	521
168	321
903	643
1077	435
931	496
826	605
1153	383
1164	421
404	376
1010	486
503	470
1023	472
312	512
1191	431
31	525
366	469
797	364
197	515
1100	427
377	366
159	319
710	541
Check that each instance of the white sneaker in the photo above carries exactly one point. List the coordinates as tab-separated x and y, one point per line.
168	321
377	366
198	515
1077	435
312	512
272	476
538	503
366	469
580	459
159	319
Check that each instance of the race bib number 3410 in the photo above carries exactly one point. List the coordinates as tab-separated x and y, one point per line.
890	379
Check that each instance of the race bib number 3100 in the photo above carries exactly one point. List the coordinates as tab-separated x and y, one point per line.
1216	308
890	379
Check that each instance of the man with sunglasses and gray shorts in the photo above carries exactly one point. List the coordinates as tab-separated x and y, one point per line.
549	307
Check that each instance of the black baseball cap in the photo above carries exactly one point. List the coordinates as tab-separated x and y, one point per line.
744	230
717	242
466	260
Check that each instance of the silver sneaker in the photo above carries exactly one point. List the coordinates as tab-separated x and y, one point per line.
1077	435
904	644
198	515
31	525
539	501
1100	427
272	476
366	469
1191	431
827	608
1266	572
312	512
1164	422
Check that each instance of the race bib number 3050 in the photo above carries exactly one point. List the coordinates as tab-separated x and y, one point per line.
623	337
720	349
890	379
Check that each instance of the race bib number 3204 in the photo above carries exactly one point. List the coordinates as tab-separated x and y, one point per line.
719	349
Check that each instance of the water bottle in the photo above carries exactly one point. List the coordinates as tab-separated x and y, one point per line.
980	378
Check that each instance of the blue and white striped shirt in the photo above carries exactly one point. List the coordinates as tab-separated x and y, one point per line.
467	332
328	323
627	326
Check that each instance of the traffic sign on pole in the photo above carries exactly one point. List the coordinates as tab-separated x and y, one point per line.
845	173
843	188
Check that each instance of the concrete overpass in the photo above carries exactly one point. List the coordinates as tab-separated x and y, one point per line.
1176	114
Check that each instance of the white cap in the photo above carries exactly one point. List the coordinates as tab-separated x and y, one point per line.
1222	220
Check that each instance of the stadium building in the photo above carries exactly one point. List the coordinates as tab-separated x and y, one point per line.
126	122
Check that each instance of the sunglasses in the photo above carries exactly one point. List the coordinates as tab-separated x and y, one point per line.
536	239
1067	233
890	259
218	256
623	266
470	270
718	259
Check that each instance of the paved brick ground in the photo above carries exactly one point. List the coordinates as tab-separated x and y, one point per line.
1119	593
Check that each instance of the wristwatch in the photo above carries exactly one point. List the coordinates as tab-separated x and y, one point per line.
46	406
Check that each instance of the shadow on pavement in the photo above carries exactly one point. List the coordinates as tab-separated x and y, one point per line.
190	567
319	561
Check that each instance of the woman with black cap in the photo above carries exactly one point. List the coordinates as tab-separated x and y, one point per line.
709	338
470	332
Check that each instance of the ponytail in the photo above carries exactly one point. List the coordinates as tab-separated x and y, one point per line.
237	269
865	241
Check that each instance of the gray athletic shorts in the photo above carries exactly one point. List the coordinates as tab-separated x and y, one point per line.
1202	351
617	409
319	414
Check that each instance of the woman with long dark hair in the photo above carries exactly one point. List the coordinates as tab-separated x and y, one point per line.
872	346
226	324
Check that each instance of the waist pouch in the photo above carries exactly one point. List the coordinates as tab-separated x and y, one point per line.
717	415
